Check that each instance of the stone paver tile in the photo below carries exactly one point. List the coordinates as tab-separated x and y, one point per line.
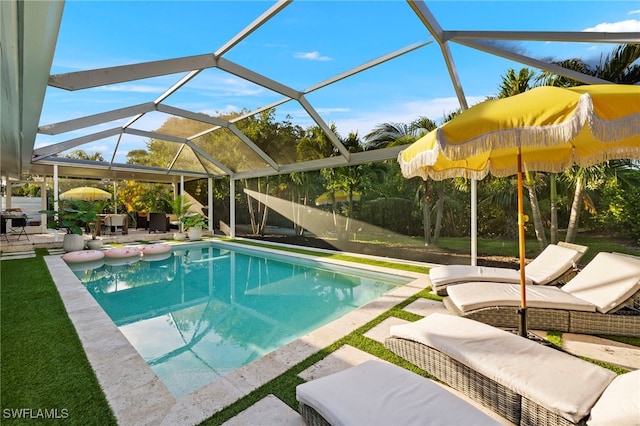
425	307
345	357
268	411
381	331
610	351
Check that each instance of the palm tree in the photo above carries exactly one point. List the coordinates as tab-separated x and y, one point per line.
394	134
620	66
513	84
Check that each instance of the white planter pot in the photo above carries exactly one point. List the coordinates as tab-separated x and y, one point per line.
72	242
195	233
94	244
179	236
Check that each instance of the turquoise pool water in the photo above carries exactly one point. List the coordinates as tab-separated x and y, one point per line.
197	314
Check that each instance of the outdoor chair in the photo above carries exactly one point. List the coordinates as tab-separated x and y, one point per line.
142	220
554	265
18	220
603	298
521	379
115	222
158	222
379	393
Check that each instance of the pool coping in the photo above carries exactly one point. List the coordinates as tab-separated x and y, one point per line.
138	397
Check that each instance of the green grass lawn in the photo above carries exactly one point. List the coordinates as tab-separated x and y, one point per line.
502	247
44	367
45	372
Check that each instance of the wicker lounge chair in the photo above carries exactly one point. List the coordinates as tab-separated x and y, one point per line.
555	264
379	393
522	380
603	298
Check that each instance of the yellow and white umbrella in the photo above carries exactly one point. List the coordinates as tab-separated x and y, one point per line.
544	129
86	193
340	197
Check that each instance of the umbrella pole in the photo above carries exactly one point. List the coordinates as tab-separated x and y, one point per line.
522	329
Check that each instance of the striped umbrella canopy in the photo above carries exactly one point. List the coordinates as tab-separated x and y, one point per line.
545	129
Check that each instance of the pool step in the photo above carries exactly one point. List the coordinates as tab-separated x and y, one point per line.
13	255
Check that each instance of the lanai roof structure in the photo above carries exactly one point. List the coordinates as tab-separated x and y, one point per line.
108	107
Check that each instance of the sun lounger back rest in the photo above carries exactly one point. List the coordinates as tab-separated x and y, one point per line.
607	281
559	382
441	276
553	262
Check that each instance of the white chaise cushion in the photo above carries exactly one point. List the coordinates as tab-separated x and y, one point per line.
477	295
619	404
379	393
551	264
441	276
548	266
607	281
564	384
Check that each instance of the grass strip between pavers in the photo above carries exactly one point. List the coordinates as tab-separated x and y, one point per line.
46	377
45	371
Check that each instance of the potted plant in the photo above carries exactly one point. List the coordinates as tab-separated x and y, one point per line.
98	207
180	207
193	224
73	217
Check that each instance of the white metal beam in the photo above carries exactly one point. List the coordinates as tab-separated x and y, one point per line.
95	119
367	65
255	148
544	36
432	25
125	73
197	116
495	50
201	152
259	79
325	128
49	150
257	23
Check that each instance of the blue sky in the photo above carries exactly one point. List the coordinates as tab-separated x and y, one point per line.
305	44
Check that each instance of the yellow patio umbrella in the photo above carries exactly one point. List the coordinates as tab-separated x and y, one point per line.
86	193
340	196
545	129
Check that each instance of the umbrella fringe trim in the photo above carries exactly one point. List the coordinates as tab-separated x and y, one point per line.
617	153
613	154
614	130
528	136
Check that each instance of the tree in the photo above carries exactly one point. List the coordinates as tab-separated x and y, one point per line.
394	134
511	85
79	154
620	66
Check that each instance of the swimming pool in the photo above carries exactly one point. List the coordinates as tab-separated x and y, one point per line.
204	311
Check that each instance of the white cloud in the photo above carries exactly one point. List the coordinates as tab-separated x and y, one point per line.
331	110
630	25
312	56
436	109
634	12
